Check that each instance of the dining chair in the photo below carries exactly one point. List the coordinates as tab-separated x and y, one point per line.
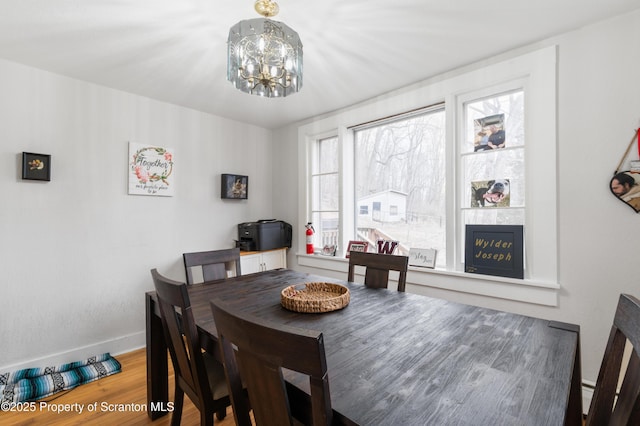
377	267
197	374
263	350
626	410
214	264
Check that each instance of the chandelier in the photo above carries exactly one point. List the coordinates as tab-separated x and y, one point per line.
264	57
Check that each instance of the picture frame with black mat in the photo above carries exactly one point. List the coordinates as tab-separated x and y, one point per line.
36	166
495	250
234	187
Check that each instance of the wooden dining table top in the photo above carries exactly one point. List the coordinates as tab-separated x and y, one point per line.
396	358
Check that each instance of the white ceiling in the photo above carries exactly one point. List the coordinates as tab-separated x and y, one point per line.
175	50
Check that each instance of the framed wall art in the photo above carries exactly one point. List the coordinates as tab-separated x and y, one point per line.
36	166
626	184
151	170
235	187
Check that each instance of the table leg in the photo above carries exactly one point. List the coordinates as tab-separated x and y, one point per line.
574	409
157	368
573	416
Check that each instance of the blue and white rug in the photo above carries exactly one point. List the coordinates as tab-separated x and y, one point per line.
31	384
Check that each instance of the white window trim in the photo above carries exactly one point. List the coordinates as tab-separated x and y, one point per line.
537	72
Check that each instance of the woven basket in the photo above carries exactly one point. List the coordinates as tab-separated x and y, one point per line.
315	297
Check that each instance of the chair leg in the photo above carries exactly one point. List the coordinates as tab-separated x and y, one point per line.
206	418
176	416
221	414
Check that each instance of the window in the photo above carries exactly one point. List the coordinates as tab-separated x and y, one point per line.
415	177
325	192
400	171
493	161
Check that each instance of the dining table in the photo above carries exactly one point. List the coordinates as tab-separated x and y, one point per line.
399	358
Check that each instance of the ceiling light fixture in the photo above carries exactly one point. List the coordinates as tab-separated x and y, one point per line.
264	57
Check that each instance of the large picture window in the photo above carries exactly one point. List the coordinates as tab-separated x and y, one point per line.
484	154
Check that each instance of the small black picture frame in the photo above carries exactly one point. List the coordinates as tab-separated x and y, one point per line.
234	187
495	250
36	166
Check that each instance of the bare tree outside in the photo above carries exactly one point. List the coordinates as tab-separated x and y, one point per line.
400	182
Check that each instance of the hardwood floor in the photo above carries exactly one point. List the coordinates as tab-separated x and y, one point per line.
120	398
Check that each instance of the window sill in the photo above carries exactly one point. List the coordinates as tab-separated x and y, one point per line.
527	290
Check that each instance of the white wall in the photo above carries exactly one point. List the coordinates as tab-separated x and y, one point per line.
598	110
75	253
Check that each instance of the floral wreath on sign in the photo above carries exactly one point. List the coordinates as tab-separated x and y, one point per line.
143	175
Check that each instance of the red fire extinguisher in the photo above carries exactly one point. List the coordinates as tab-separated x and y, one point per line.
309	234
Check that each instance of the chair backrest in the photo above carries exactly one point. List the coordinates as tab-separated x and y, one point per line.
377	268
263	350
182	339
626	326
215	264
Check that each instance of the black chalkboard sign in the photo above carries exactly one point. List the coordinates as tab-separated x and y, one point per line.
494	250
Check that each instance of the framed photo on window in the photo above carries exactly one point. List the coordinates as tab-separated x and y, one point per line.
489	133
491	193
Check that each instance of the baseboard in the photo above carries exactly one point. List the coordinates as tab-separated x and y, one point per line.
115	346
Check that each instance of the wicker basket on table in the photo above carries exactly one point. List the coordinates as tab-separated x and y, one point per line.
315	297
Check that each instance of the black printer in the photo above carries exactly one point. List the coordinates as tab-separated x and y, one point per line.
266	234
